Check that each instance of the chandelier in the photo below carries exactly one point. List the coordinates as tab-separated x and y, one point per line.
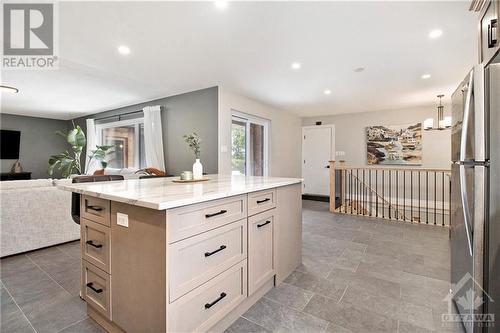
443	122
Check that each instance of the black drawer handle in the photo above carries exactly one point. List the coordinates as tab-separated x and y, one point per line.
263	224
215	214
208	254
209	305
263	200
91	286
96	208
492	33
91	243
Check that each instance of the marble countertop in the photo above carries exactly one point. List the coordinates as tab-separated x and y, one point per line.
163	193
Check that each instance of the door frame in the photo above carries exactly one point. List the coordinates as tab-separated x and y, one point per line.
332	144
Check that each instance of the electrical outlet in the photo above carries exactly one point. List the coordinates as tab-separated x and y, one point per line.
122	219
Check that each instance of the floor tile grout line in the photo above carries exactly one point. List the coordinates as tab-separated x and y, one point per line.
253	322
72	324
341	297
21	310
50	277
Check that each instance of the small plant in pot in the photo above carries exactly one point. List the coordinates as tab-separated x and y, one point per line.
194	142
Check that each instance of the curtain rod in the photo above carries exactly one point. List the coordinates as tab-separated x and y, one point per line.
119	115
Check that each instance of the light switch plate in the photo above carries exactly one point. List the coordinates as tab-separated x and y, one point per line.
122	219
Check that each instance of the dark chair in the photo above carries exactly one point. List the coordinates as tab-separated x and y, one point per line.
75	197
154	176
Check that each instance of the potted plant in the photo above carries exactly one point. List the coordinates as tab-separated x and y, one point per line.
194	142
69	163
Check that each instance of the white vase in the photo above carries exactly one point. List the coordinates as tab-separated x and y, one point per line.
197	169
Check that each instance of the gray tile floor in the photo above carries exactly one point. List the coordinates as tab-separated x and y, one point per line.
358	275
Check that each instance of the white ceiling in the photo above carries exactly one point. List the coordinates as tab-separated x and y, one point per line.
248	48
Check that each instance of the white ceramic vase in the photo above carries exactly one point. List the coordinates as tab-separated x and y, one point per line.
197	169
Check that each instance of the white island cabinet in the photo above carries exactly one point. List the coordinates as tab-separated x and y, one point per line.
159	256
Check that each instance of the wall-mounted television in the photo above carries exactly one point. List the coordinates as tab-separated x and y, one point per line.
9	144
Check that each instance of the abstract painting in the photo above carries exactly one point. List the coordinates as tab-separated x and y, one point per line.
394	144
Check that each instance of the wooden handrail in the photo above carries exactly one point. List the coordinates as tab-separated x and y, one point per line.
393	168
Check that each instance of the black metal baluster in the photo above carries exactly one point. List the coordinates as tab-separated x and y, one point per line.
370	189
390	190
419	189
357	192
442	198
397	195
427	197
376	192
435	201
350	191
364	192
411	196
383	193
404	195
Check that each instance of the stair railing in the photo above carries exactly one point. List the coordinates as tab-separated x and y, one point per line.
406	194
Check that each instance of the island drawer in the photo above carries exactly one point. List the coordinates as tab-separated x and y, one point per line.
96	286
188	221
95	244
96	210
203	307
198	259
261	201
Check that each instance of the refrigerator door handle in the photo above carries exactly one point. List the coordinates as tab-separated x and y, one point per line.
465	205
465	121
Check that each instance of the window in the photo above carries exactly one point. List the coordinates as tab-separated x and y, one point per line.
127	137
249	145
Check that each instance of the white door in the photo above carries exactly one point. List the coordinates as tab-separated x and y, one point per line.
318	148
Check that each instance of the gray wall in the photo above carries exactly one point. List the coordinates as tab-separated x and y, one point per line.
38	142
350	134
196	111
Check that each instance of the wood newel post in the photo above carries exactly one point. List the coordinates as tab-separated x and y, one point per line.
332	186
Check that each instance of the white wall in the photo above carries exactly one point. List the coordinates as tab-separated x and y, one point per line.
350	135
284	134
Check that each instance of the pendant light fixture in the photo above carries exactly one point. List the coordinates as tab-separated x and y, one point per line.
443	122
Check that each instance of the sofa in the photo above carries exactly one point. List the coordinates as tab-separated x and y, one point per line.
34	214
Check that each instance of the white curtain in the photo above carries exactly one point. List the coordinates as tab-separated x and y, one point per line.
91	145
153	137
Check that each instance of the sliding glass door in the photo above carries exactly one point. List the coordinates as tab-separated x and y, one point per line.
249	145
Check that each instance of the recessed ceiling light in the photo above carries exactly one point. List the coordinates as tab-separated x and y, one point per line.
327	92
435	33
359	69
296	65
125	50
9	89
426	76
220	4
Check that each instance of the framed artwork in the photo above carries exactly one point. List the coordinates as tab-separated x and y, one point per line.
394	144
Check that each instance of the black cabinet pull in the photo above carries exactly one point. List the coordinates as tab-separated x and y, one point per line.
263	224
215	214
209	305
91	286
208	254
96	208
262	201
492	33
91	243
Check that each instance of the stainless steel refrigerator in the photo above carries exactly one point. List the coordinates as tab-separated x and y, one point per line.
475	199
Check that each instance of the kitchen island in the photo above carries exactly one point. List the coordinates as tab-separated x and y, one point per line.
159	256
